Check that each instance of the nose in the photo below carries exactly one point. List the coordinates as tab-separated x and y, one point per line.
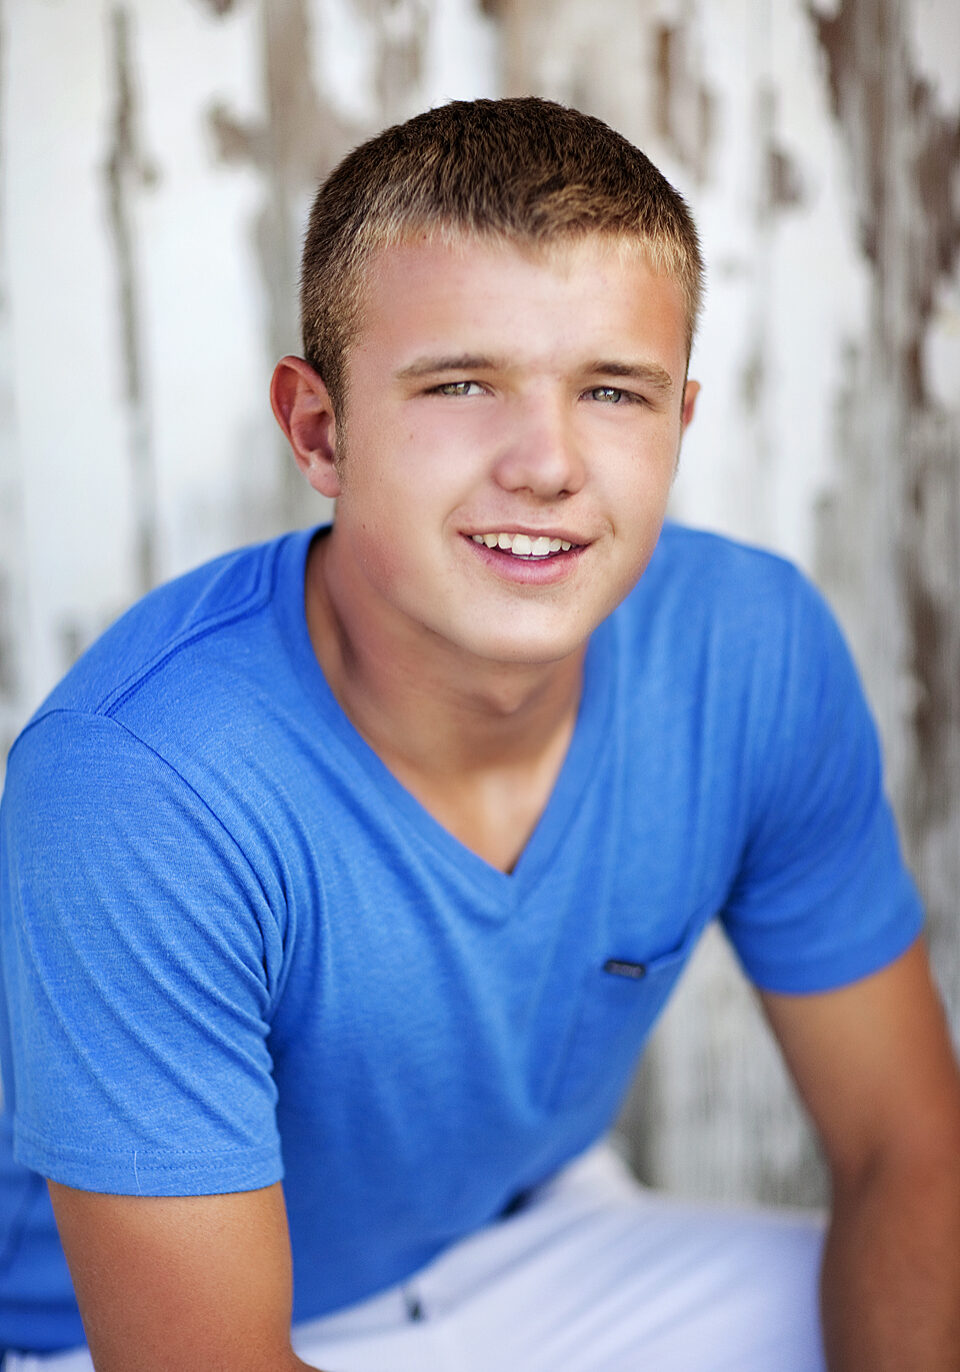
540	453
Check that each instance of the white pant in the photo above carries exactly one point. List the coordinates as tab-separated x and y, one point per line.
594	1274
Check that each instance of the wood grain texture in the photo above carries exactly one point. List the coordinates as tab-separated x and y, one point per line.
899	459
127	171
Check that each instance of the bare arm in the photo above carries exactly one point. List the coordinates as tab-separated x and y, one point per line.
166	1283
874	1064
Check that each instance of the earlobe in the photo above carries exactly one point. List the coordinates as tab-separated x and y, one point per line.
303	409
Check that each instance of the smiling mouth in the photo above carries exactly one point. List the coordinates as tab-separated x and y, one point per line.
524	546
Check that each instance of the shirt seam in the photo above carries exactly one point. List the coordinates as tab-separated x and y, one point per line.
108	705
253	604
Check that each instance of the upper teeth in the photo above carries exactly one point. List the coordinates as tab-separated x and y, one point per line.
522	545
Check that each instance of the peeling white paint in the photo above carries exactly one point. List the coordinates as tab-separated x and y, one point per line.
462	57
204	340
934	28
344	58
793	291
66	362
942	352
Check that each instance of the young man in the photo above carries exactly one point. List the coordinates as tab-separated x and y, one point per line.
367	858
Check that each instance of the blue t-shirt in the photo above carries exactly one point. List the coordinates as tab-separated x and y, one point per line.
236	949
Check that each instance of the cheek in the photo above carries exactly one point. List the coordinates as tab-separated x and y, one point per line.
389	544
448	444
637	496
637	505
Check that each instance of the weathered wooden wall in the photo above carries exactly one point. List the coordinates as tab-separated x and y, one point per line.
156	161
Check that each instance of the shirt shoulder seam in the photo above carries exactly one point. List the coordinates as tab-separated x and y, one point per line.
259	597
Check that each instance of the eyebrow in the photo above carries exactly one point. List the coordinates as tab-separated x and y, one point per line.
644	373
461	362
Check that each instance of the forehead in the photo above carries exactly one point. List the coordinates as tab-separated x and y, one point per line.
440	248
592	290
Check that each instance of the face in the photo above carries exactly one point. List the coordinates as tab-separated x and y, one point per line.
513	423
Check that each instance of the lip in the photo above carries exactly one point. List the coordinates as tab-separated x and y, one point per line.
522	571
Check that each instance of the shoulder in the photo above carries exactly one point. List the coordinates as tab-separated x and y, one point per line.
133	705
707	596
168	621
714	570
173	726
183	651
740	647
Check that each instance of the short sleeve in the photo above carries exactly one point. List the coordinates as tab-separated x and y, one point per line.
822	896
136	939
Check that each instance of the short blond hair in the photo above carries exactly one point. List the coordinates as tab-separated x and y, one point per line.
524	170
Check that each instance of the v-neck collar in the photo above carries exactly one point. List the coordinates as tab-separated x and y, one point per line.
507	889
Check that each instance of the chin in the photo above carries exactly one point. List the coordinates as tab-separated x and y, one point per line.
524	650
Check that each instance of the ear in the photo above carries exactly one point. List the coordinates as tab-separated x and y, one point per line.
690	392
304	411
